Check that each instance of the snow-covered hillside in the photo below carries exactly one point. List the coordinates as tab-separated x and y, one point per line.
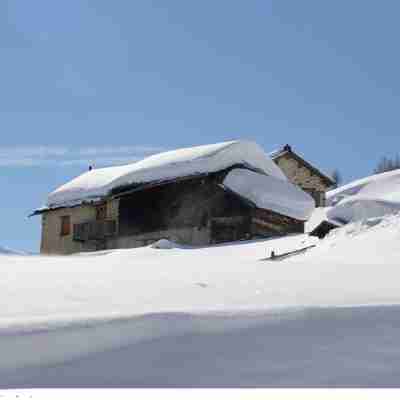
216	316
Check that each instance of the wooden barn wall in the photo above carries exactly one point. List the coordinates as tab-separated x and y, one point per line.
193	203
268	223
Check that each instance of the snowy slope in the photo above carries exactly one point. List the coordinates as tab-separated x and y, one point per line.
211	316
164	166
270	193
370	197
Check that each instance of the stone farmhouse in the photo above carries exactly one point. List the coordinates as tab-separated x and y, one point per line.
197	196
302	173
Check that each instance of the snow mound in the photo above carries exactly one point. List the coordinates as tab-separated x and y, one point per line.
358	228
271	193
97	183
370	197
165	244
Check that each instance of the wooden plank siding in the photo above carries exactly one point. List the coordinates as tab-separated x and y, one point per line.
189	204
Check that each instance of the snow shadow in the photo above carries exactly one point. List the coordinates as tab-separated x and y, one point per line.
343	347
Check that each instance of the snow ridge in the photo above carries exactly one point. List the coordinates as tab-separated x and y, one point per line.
369	197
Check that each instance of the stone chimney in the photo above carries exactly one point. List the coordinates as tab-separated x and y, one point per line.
287	147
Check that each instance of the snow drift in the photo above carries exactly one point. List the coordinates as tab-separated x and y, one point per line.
202	317
370	197
162	167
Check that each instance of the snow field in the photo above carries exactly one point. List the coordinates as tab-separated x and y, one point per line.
207	317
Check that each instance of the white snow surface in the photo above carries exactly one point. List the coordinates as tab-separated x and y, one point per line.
370	197
271	193
164	166
208	317
165	244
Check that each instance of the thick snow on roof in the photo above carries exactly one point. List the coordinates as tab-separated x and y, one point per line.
271	193
164	166
370	197
275	153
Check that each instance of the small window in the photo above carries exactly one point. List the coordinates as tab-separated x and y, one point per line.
65	225
101	212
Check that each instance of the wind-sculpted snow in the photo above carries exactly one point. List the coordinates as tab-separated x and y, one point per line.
212	316
316	347
161	167
370	197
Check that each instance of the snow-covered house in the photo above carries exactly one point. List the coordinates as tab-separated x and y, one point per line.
302	173
196	196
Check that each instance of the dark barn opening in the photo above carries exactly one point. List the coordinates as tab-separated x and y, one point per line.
193	203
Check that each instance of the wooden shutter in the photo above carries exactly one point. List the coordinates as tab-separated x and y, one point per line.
65	225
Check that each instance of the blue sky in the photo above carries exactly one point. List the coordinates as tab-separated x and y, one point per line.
103	82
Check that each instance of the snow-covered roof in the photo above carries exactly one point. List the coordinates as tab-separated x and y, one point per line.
271	193
369	197
98	183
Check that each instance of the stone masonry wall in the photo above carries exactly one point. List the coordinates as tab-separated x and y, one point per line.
52	242
300	175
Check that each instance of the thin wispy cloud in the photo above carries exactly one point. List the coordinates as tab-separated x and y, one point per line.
120	150
100	161
62	156
33	151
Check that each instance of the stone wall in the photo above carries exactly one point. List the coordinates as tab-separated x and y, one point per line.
304	177
53	243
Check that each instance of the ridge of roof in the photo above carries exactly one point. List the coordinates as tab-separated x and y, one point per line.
287	149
